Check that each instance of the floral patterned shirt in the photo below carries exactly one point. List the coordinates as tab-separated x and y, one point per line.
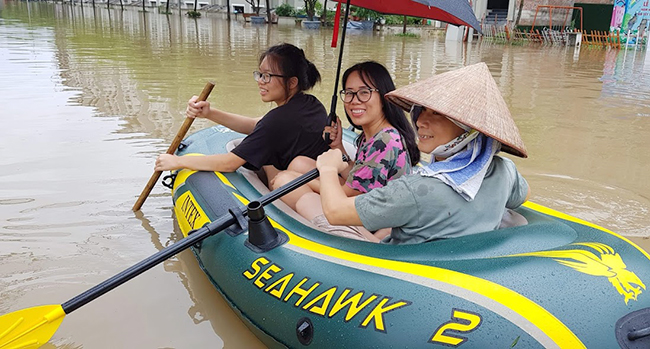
379	159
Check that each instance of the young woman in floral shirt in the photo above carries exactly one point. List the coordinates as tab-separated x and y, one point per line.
386	147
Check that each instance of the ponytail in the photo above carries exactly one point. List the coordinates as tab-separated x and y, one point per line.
313	76
291	62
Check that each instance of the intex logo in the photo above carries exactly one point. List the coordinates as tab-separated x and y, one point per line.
190	212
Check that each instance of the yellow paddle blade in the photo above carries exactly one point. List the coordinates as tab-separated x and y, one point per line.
31	327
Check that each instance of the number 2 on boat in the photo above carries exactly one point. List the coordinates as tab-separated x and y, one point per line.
461	322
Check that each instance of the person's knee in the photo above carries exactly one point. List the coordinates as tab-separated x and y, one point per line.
308	199
309	206
302	164
283	178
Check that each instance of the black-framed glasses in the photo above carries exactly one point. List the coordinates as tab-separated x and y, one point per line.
363	94
265	77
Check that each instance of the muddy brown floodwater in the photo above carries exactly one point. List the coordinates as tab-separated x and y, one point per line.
90	96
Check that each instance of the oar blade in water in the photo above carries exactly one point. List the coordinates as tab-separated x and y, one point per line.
31	327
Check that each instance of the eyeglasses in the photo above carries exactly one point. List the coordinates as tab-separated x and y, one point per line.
265	77
363	94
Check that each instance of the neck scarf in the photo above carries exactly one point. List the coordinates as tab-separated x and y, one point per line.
455	145
470	156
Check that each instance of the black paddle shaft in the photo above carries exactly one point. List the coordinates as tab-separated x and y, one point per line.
332	115
218	225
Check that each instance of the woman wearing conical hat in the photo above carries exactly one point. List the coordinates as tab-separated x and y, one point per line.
463	122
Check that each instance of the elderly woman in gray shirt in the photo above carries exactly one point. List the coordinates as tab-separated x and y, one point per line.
462	121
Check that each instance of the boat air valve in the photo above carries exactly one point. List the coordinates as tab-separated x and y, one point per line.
262	236
305	331
633	330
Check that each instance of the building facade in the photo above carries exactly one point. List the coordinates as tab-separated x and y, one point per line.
525	12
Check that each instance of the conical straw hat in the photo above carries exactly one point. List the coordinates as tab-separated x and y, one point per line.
470	96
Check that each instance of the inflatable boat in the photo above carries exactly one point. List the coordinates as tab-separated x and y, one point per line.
548	280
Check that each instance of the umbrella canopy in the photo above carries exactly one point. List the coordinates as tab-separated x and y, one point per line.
456	12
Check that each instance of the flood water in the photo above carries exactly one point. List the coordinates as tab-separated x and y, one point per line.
88	97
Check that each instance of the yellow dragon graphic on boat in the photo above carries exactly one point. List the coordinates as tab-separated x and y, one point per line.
609	264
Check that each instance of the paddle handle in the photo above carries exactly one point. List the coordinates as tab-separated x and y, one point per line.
218	225
172	148
332	115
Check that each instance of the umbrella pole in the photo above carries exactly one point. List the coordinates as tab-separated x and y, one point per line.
332	115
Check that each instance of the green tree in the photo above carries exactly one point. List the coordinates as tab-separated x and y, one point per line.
285	10
310	8
365	13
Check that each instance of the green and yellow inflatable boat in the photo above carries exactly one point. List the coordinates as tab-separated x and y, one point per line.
553	282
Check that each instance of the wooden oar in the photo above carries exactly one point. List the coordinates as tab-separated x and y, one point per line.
33	327
172	148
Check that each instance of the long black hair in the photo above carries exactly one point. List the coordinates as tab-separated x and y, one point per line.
375	75
291	61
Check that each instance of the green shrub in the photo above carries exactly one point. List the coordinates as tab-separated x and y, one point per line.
329	16
364	13
285	10
408	35
394	19
193	14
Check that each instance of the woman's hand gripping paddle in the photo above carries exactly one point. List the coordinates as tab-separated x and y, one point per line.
33	327
172	148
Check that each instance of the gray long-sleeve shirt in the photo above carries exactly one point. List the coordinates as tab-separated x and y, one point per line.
422	209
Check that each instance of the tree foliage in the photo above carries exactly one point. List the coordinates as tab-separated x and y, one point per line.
366	14
285	10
